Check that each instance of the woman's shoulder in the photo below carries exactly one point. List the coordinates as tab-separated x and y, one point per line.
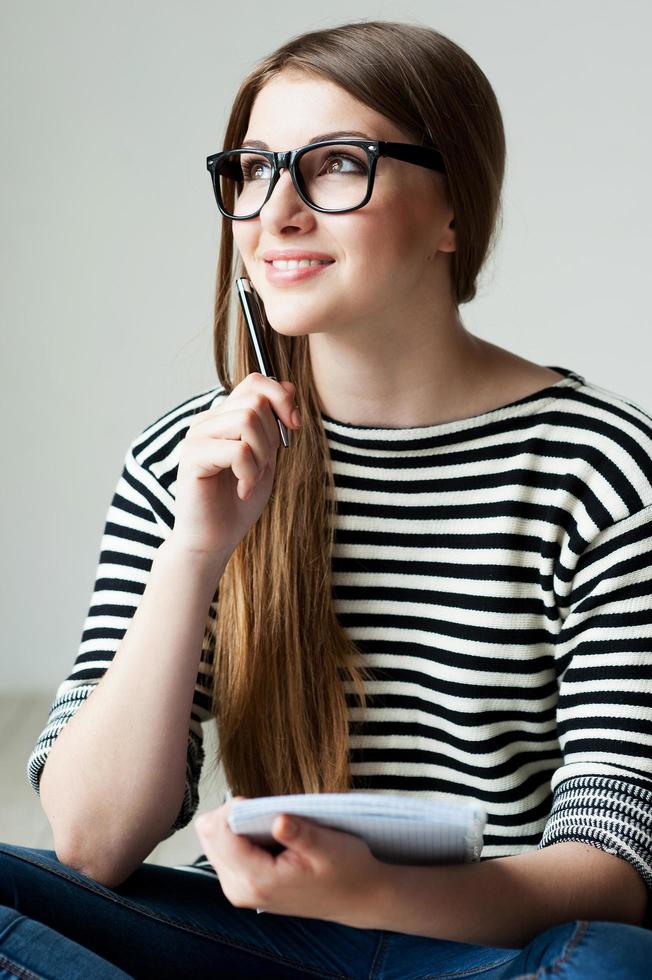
611	433
616	410
156	446
184	410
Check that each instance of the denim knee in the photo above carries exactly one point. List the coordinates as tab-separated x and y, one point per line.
580	949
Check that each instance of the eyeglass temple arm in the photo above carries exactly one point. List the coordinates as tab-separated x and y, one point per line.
424	156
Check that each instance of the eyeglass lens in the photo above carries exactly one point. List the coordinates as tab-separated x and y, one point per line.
333	177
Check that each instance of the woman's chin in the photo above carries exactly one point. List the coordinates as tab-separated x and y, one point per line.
286	329
291	320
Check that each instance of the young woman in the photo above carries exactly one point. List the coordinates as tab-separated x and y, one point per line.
441	589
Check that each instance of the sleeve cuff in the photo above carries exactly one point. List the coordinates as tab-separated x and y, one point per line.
614	815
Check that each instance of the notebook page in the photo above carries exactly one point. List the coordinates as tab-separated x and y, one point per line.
397	829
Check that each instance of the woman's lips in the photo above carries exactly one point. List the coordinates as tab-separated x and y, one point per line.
285	277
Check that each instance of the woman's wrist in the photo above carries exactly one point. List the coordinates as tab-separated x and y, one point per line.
373	908
207	566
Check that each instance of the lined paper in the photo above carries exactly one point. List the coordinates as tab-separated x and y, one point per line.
398	829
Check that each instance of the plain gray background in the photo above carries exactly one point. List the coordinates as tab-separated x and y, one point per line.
109	235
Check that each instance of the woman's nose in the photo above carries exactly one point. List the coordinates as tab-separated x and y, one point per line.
284	199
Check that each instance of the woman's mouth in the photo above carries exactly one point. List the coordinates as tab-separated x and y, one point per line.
287	271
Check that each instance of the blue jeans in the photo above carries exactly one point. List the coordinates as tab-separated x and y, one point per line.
57	923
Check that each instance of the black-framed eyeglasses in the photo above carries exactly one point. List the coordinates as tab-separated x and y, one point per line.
332	176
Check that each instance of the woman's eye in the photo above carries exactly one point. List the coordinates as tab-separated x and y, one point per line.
341	164
253	169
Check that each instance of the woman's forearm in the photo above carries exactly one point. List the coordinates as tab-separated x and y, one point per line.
505	902
114	779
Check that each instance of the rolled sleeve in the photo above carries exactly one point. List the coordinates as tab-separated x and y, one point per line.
602	791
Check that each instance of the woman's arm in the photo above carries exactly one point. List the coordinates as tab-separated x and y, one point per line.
507	901
114	779
327	874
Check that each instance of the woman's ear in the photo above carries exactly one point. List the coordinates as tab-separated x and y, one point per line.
448	242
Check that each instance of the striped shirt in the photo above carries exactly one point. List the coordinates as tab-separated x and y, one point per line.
495	573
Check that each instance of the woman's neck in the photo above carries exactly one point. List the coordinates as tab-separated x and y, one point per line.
436	375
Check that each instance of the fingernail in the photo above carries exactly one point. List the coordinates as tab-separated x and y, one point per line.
296	417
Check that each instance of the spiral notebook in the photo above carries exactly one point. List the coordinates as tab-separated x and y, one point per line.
398	829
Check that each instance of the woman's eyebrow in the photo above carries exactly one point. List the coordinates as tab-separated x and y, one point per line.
315	139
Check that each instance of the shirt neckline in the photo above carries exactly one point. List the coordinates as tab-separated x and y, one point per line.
520	406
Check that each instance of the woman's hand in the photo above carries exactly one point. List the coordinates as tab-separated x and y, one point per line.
227	464
322	874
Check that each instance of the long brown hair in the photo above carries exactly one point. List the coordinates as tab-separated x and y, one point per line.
283	664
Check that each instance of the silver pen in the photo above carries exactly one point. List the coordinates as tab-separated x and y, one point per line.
254	318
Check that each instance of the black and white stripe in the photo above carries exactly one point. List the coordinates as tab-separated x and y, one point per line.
496	574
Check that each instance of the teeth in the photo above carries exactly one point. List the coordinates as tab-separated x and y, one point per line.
297	263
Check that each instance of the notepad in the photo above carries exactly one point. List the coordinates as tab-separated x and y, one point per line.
398	829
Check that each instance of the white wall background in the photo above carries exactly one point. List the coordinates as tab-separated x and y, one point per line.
109	230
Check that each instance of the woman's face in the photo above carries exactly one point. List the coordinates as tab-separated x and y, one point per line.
385	253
